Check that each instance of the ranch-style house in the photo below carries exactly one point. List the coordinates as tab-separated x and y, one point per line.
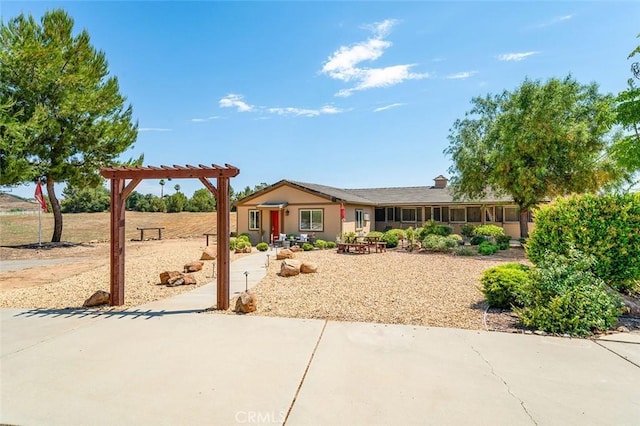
325	212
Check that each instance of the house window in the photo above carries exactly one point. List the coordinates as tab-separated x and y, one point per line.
311	220
436	214
409	215
511	214
489	214
499	216
474	214
445	214
458	214
427	214
380	215
359	219
390	215
254	220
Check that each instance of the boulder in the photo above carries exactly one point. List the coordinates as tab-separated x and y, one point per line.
632	305
100	297
285	254
209	253
245	303
189	279
296	249
193	266
290	267
175	281
167	275
309	267
248	249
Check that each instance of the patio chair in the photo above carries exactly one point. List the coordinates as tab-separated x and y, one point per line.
279	242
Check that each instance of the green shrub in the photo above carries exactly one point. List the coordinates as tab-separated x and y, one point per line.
241	244
262	246
375	234
603	226
457	238
565	296
331	245
438	243
399	233
464	251
244	237
487	248
503	246
478	239
503	285
467	230
391	238
321	244
307	247
500	239
233	241
432	228
488	230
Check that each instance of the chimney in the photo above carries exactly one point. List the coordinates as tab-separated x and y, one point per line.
441	182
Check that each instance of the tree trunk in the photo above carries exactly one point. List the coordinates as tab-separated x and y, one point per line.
524	222
57	213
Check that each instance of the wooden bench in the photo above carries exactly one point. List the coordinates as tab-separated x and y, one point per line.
209	234
150	228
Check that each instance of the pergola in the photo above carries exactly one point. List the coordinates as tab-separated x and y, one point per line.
120	190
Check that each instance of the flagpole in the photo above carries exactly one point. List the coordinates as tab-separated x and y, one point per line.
39	226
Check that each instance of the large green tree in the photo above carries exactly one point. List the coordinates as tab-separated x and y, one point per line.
62	116
544	139
627	149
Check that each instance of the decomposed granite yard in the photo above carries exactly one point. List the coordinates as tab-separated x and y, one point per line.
395	287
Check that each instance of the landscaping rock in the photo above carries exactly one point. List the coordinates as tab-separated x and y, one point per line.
623	329
100	297
632	305
189	279
193	266
167	275
245	303
309	268
209	253
285	254
290	267
175	281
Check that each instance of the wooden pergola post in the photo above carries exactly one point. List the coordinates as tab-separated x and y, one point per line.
120	192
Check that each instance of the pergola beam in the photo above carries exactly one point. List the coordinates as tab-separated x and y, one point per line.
120	192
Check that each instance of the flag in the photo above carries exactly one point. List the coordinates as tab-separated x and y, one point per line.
39	197
341	211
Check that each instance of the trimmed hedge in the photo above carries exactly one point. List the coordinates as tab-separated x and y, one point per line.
503	285
488	231
487	248
262	246
607	227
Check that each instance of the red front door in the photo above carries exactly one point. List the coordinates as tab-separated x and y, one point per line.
275	224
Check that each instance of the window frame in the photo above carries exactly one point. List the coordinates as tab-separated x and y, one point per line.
451	214
255	218
504	213
415	214
359	219
311	223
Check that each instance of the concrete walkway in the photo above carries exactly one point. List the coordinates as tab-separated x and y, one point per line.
162	363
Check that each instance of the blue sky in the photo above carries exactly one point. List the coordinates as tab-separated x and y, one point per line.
348	94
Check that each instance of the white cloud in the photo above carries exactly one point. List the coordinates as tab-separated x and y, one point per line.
304	112
343	63
235	101
153	129
384	108
516	56
461	75
201	120
554	20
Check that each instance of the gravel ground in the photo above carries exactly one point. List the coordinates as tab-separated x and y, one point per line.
394	288
144	263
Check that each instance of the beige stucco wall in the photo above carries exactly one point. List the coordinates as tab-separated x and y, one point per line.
297	200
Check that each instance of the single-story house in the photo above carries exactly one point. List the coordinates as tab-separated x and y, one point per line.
290	207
